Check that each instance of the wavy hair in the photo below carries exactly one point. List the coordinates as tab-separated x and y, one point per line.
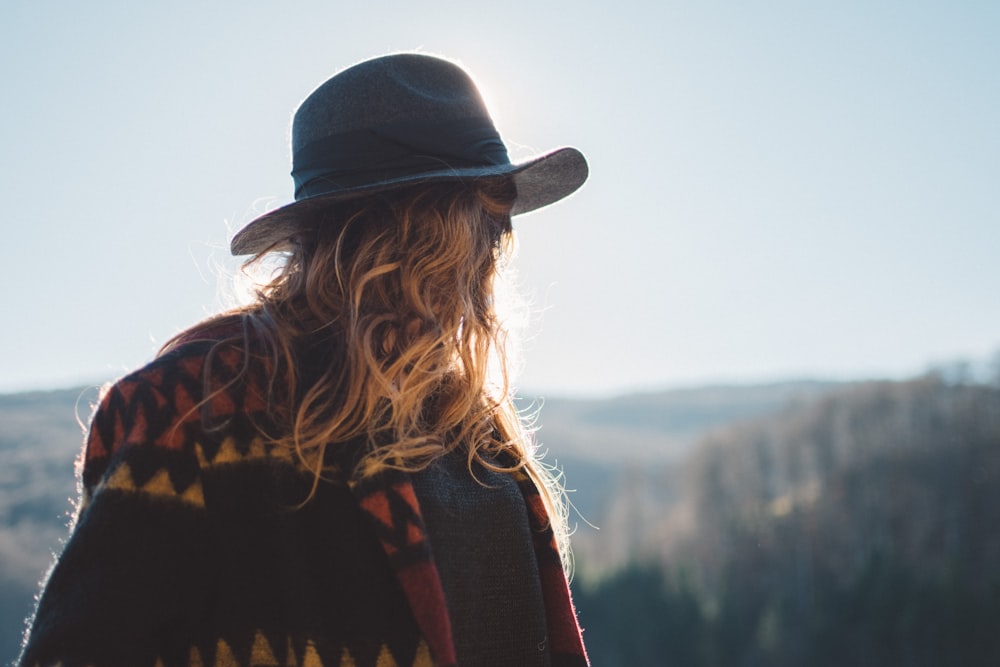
381	325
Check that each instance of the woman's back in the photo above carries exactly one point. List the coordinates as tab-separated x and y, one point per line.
335	474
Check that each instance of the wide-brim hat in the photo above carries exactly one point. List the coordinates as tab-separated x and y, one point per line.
393	122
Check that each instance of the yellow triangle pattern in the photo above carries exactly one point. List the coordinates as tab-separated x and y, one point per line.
194	494
346	659
261	654
224	655
159	485
281	452
423	657
311	658
121	479
199	453
256	450
385	658
229	453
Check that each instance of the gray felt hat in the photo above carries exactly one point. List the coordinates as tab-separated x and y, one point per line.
396	121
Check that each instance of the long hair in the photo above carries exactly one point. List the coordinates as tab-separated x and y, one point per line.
381	325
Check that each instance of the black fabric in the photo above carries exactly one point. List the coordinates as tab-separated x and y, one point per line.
143	579
481	541
192	546
194	551
386	152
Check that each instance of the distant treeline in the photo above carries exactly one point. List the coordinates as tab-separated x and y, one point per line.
861	530
886	616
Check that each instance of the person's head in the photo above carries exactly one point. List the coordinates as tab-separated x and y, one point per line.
403	196
382	319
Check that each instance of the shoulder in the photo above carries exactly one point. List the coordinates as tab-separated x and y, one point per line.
139	405
203	388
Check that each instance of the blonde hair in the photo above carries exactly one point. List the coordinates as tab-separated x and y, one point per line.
381	324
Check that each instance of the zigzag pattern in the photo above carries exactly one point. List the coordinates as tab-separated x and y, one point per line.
262	653
160	485
164	404
398	523
172	477
230	451
160	410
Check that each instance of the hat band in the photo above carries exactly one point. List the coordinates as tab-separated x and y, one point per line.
371	155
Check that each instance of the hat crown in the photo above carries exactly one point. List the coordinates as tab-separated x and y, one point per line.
401	88
399	121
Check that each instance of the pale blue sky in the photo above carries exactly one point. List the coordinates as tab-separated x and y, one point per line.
777	189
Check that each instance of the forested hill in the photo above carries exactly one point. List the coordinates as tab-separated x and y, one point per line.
861	529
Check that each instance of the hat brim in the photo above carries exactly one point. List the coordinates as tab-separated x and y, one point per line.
540	181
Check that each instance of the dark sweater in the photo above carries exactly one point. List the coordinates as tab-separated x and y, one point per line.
187	549
481	541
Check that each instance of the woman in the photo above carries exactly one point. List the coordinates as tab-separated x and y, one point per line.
328	476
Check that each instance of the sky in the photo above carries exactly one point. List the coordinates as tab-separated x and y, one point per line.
778	189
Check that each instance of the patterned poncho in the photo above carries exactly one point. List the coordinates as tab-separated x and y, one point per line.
192	547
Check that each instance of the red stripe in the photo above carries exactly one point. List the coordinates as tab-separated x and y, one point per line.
422	586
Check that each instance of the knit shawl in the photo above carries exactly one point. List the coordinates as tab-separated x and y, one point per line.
190	547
